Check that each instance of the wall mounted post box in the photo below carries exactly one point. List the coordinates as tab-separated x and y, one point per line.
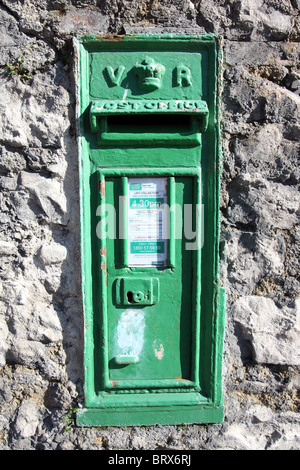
148	126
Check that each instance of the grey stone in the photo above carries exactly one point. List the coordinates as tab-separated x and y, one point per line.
250	20
83	21
7	248
12	41
273	333
239	436
52	254
261	53
33	118
260	414
27	420
57	396
48	195
34	354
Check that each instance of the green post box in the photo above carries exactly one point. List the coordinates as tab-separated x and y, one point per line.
148	126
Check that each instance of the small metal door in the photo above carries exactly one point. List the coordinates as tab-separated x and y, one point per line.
152	284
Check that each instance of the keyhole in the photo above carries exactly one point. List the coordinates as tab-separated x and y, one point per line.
134	297
138	297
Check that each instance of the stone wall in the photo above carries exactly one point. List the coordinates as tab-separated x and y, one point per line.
41	335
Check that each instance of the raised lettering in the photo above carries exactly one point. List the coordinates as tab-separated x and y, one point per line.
136	105
183	76
150	105
110	105
123	105
189	105
162	105
115	76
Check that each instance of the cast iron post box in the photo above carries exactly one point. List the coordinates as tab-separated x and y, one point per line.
148	125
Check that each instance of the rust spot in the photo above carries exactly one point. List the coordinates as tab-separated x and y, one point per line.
114	37
114	383
103	252
103	268
102	187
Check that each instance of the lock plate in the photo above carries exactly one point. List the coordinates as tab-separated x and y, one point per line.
136	291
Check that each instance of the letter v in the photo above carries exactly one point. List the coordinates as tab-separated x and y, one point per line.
115	76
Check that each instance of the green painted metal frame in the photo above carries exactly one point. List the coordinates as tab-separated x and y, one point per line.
162	407
123	173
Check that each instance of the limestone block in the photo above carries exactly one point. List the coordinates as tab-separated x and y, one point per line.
7	248
273	332
27	419
48	195
84	21
52	254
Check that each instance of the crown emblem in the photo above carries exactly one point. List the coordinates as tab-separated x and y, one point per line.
149	74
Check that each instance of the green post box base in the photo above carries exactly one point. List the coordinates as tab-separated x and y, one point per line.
145	416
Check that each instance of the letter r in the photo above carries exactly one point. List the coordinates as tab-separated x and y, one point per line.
183	76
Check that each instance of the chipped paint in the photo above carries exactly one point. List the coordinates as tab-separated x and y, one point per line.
103	252
103	266
102	187
130	333
159	350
